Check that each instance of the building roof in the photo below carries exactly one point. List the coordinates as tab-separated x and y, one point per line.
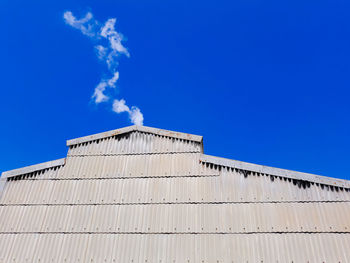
148	195
250	167
33	168
262	169
133	128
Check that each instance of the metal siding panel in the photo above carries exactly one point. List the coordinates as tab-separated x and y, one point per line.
172	189
213	218
134	143
121	209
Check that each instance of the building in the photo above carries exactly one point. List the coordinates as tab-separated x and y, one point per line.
140	194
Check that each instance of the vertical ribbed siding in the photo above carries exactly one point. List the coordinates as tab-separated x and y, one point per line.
175	248
135	143
186	164
2	185
185	218
141	197
125	187
254	187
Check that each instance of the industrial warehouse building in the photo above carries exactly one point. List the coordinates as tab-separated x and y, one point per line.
141	194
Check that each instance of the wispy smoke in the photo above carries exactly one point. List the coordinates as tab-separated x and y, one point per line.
135	114
98	95
87	25
108	53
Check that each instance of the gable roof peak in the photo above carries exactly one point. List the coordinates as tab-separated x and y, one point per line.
145	129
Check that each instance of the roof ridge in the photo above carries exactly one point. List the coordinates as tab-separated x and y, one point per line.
203	158
275	171
33	168
162	132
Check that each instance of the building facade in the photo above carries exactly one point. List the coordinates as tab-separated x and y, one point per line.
141	194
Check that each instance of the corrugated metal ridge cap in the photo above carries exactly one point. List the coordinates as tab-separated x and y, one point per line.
33	168
275	171
178	135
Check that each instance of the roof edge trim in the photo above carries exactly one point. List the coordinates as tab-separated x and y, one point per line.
275	171
33	168
178	135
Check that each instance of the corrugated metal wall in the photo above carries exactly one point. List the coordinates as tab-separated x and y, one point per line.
146	198
140	165
178	218
135	143
175	248
198	184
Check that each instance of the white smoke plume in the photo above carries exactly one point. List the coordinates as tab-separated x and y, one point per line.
101	52
135	114
98	95
108	53
87	25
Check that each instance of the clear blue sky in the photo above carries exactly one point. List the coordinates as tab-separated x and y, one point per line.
263	81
